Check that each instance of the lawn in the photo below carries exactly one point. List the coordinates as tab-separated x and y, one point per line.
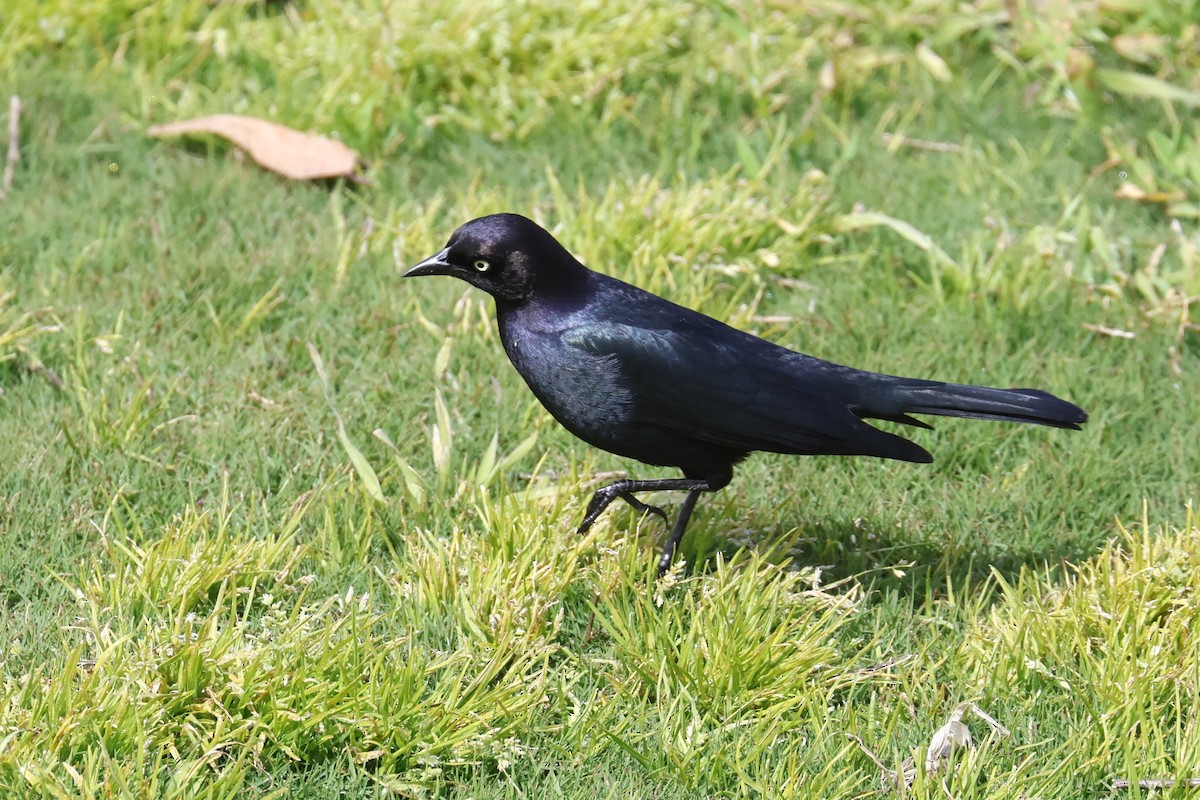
275	523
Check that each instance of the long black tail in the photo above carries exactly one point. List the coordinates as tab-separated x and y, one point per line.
981	402
894	398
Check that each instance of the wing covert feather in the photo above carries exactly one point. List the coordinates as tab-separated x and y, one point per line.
730	394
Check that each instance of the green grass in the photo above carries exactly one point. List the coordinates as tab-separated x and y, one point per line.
201	597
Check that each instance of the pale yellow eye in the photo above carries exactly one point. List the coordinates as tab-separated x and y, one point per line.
481	266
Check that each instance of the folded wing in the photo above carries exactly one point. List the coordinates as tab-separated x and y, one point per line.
732	389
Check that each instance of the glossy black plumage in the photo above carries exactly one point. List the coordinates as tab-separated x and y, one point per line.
637	375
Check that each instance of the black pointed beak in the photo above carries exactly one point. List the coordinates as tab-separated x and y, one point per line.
434	265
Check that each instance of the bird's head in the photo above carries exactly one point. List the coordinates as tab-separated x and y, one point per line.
505	255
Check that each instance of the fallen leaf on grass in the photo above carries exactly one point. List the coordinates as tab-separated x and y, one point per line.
296	155
945	740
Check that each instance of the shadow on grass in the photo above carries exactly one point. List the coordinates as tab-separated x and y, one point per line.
884	559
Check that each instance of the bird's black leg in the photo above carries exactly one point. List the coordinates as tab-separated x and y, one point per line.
604	497
681	522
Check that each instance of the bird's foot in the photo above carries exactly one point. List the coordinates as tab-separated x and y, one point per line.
601	500
605	496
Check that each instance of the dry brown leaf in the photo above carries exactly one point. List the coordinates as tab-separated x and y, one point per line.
296	155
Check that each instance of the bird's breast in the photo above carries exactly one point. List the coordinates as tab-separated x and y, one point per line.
583	391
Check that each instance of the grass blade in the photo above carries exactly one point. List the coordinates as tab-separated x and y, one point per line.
366	472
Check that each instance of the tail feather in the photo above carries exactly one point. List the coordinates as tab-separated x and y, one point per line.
981	402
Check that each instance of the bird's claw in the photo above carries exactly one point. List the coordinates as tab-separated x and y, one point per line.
664	563
644	508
